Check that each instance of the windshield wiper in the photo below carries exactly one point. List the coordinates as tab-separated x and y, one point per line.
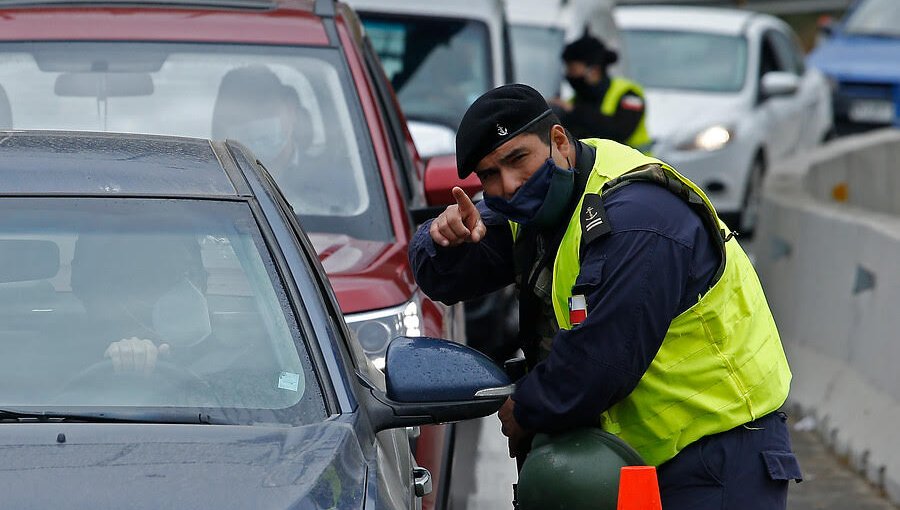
179	416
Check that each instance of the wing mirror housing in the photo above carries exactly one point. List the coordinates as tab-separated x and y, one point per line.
440	178
779	83
430	380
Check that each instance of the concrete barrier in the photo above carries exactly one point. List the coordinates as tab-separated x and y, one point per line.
828	254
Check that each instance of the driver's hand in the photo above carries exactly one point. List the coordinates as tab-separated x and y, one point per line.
135	355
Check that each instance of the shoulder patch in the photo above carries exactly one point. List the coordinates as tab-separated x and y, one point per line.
632	102
594	222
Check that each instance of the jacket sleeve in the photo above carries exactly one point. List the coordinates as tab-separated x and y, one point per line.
469	270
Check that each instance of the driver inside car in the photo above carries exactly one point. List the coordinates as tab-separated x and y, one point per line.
144	298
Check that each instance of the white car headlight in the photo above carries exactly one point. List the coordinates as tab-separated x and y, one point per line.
710	139
375	330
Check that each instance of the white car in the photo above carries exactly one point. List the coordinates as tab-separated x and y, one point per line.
540	29
440	57
728	95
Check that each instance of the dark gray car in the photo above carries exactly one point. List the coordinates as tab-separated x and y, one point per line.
168	339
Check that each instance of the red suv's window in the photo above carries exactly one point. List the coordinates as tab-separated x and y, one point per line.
293	107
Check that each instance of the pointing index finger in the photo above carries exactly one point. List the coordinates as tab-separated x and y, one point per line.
463	201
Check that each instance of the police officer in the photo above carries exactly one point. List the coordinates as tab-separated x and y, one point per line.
603	106
639	311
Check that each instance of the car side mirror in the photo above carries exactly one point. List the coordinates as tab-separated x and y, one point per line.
440	178
429	380
779	83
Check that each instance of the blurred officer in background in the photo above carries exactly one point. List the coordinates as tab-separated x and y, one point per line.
639	312
603	106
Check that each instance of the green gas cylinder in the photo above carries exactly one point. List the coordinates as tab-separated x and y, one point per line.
574	470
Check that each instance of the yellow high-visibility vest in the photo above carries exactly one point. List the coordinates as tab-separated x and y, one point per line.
721	363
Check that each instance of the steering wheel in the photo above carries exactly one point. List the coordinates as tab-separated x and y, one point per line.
166	379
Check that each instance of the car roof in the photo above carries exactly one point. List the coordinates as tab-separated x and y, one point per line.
113	164
482	9
700	19
234	21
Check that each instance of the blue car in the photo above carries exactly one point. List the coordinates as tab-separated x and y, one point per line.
168	339
861	58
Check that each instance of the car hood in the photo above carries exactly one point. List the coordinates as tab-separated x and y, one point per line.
152	466
859	57
365	275
672	113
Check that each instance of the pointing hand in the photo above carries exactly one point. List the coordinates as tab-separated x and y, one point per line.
459	223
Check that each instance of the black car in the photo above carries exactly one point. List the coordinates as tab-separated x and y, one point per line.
168	339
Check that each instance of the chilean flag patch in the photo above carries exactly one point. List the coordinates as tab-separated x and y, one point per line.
632	103
577	309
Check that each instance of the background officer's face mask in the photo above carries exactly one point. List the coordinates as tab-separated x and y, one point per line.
542	200
584	90
181	315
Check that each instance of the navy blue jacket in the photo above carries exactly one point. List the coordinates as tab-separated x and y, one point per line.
656	263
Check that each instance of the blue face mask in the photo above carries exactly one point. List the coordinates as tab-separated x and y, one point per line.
542	200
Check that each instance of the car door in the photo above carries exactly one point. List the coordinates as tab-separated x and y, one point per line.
784	114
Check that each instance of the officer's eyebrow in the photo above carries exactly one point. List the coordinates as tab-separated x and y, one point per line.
513	154
506	159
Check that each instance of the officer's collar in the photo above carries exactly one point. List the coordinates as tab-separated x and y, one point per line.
585	155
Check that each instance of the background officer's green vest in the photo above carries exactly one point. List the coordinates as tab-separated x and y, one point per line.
618	87
721	363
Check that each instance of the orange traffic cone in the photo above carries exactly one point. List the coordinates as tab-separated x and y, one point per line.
638	489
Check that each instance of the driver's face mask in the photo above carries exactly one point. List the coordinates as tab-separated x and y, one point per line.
542	201
265	137
181	315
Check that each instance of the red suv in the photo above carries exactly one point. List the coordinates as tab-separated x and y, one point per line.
294	80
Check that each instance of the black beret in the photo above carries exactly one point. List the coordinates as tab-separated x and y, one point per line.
590	50
494	119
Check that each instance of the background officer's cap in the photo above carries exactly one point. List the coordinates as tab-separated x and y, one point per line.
590	50
494	119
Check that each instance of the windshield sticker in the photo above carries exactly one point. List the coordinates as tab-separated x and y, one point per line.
289	381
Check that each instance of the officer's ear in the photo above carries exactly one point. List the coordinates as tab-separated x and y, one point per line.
559	138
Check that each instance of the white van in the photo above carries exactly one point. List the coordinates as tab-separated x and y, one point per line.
540	29
439	56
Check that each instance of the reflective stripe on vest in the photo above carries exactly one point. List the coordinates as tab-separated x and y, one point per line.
618	87
721	363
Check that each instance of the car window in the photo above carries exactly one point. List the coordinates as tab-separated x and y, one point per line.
875	18
768	58
438	66
291	106
192	277
786	52
534	47
407	174
718	63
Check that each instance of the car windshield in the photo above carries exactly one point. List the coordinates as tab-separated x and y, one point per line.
291	106
717	63
91	276
875	17
438	66
533	47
